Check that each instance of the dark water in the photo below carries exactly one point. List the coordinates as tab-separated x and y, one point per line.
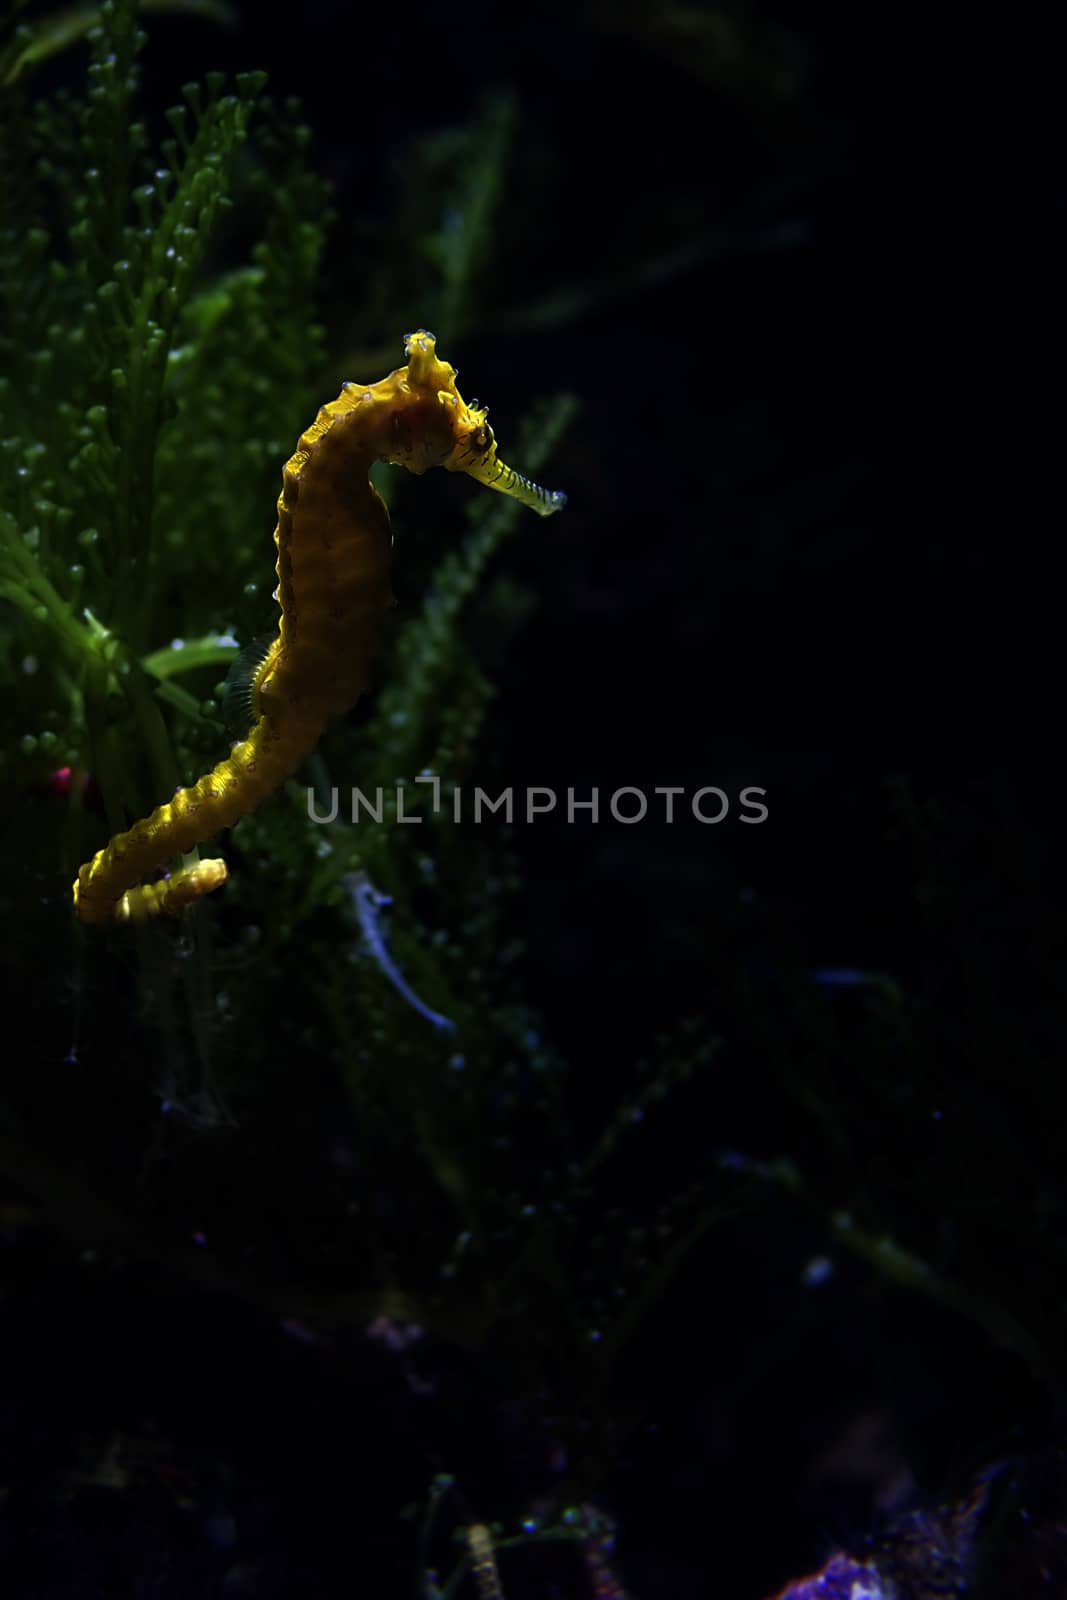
827	1265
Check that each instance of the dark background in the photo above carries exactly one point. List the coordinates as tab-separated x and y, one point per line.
770	571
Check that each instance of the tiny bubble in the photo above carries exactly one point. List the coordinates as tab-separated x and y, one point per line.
818	1270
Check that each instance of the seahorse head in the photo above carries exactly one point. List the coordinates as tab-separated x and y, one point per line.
442	430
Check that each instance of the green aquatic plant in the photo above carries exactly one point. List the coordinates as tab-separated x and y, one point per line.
25	48
112	512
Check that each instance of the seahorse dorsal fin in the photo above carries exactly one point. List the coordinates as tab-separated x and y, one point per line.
238	697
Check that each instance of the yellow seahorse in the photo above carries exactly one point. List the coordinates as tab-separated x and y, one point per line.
334	545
